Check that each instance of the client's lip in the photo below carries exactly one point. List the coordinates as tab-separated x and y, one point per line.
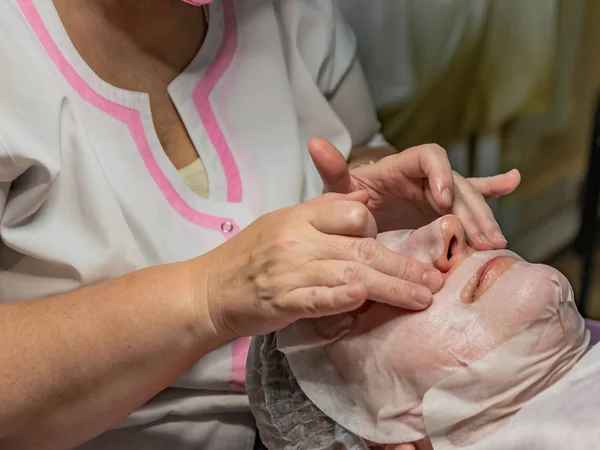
486	276
488	267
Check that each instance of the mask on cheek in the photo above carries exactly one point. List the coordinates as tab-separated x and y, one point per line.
198	2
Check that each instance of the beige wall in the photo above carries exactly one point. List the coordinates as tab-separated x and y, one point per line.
565	154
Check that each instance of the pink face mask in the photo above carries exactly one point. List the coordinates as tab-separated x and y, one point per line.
198	2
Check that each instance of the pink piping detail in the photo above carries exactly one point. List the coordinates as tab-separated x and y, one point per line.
239	354
198	2
225	95
131	117
201	97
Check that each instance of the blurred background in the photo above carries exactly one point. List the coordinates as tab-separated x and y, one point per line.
500	84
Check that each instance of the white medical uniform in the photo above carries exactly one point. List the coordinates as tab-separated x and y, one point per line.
88	194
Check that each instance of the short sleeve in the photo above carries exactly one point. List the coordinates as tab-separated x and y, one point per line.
345	85
9	169
323	39
30	108
327	47
353	104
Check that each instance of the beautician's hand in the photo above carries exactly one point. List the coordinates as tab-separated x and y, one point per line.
316	259
410	189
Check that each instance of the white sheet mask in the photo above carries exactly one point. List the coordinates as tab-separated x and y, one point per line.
425	244
565	416
470	407
384	374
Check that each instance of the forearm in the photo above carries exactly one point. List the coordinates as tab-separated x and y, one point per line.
74	365
364	154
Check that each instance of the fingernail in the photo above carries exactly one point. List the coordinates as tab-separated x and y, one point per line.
484	239
433	280
422	296
498	235
447	196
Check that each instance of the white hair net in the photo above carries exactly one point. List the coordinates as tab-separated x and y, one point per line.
285	417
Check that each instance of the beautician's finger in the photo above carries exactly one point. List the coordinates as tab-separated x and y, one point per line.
331	165
341	217
320	301
482	212
498	185
371	253
427	161
380	287
475	234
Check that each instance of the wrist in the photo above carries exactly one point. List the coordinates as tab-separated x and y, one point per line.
202	322
207	302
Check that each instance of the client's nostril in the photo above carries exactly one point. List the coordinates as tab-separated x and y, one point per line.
451	246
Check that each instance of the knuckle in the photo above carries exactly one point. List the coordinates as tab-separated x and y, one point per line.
408	269
474	191
296	214
358	215
287	212
286	240
274	271
282	307
352	273
264	289
367	250
395	290
437	149
311	302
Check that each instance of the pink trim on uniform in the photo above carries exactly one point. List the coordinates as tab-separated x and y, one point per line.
201	97
198	2
132	118
239	354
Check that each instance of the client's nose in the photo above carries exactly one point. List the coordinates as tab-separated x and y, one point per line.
456	248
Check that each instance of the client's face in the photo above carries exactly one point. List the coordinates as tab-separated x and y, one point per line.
488	298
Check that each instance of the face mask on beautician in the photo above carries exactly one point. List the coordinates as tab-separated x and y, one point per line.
198	2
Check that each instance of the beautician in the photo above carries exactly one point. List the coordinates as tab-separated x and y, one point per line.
160	202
